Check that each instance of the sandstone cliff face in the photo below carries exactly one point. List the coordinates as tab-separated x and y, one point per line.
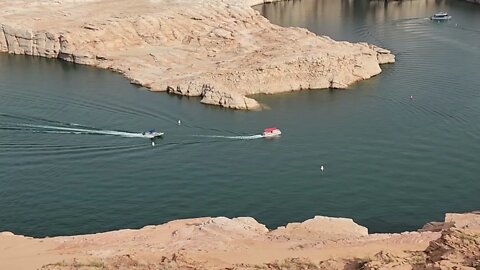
324	227
213	243
219	50
458	247
243	243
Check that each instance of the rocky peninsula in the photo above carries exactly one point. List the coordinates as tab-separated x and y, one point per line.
219	50
243	243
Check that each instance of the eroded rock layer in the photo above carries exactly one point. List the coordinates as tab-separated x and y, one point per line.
243	243
207	243
220	50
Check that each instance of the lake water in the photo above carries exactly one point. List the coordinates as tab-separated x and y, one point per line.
71	160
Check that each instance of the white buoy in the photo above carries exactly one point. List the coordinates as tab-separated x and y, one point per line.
321	168
153	143
179	122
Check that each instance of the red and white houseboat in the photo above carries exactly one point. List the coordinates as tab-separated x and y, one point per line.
271	132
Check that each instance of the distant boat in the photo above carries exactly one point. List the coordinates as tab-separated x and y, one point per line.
440	16
271	132
151	134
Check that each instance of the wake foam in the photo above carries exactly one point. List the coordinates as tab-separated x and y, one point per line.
245	137
68	130
78	129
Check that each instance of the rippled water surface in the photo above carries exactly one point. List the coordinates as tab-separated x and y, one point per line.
72	159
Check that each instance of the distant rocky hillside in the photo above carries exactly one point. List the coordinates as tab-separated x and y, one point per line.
221	51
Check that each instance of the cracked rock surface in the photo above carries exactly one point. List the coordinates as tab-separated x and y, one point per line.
219	50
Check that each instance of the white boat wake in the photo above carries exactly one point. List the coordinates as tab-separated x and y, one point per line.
67	130
126	134
244	137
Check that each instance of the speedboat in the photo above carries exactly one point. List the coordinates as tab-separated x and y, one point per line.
440	16
271	132
151	134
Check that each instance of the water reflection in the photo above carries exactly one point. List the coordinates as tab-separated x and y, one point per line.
404	149
335	17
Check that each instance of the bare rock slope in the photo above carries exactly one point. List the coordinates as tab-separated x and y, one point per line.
458	247
220	243
243	243
220	50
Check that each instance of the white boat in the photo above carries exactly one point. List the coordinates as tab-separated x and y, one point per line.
151	134
440	16
271	132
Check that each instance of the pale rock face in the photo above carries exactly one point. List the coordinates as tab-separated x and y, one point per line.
243	243
241	225
384	56
463	221
228	99
180	46
325	228
217	233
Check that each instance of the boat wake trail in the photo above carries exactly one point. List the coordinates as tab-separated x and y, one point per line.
70	130
245	137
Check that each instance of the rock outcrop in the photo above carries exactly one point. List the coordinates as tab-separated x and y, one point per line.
243	243
458	247
215	243
327	228
219	50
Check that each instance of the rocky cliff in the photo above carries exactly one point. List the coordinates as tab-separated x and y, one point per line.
220	50
458	247
243	243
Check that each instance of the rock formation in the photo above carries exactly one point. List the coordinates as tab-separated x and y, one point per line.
458	247
219	50
243	243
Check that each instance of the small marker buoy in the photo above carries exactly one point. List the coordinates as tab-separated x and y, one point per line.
321	168
153	143
179	122
411	97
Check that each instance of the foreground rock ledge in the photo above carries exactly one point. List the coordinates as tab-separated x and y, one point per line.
243	243
219	50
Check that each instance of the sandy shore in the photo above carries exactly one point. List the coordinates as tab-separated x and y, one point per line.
219	50
243	243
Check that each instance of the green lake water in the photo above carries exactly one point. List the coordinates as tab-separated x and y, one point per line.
71	160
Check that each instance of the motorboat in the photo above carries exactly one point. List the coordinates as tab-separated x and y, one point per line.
151	134
440	16
271	132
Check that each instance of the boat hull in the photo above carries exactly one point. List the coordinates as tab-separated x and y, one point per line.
446	18
273	134
153	135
